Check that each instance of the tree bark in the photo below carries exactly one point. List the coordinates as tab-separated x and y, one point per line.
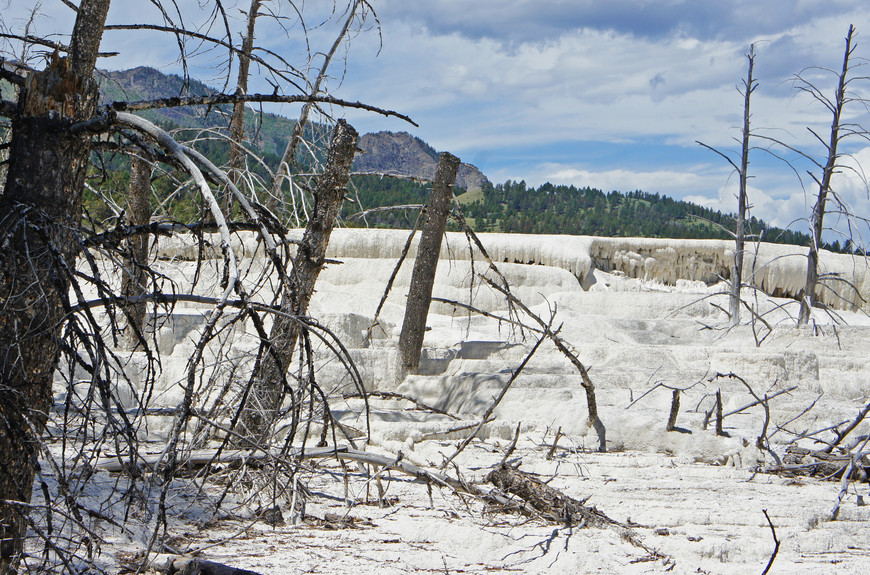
426	264
268	378
40	209
719	428
675	411
134	279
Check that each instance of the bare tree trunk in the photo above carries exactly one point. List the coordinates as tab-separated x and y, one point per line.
740	232
40	207
268	379
237	123
134	278
425	264
742	203
824	184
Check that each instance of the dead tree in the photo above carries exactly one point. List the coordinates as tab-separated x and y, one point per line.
288	158
237	122
749	86
425	265
823	180
269	381
50	332
41	208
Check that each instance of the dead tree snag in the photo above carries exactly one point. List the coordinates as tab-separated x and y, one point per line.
268	382
134	277
426	263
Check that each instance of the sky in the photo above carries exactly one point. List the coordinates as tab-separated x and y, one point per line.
612	95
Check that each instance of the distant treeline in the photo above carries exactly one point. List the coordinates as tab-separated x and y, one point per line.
514	207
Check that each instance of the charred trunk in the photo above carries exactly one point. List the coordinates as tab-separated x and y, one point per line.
40	212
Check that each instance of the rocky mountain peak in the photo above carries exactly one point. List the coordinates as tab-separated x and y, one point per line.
400	153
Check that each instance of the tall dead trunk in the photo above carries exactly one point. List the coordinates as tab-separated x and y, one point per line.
269	375
134	279
40	209
426	264
237	122
740	231
824	183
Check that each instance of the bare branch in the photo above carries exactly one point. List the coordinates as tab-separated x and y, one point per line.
8	73
775	543
841	435
39	40
180	32
218	99
289	156
727	159
176	150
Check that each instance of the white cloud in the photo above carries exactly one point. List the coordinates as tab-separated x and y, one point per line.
626	180
584	84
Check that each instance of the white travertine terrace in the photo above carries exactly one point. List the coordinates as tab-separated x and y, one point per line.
776	269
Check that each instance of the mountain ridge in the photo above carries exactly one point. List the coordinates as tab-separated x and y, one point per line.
398	153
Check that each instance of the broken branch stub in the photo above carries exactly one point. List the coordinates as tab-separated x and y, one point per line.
675	411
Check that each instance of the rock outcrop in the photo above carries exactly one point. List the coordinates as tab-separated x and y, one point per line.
405	155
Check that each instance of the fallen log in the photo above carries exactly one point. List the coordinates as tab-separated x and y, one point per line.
814	463
552	504
546	501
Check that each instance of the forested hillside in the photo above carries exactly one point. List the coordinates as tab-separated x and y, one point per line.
549	209
516	208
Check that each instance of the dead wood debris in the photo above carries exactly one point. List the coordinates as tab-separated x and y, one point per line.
336	521
802	461
551	504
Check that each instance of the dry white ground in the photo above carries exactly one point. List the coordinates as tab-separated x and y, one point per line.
697	498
